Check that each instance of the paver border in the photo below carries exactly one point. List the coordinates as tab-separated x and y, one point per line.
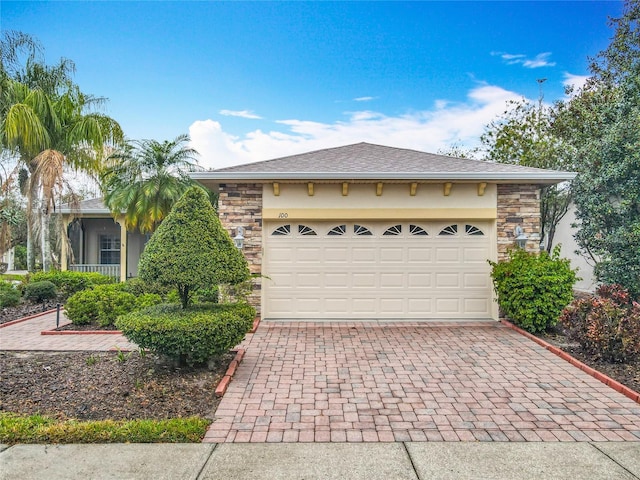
223	384
617	386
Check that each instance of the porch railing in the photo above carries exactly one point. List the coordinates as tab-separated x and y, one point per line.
109	270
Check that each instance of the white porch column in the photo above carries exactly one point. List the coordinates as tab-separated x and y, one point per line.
123	249
64	251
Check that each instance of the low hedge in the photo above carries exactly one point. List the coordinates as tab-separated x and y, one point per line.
39	429
40	291
9	295
102	304
68	282
192	335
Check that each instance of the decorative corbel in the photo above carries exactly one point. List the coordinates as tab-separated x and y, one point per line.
447	188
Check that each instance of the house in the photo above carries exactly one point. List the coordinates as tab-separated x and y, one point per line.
98	242
375	232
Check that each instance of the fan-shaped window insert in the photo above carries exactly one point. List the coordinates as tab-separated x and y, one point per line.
282	230
417	230
360	230
395	230
304	230
338	230
450	230
473	230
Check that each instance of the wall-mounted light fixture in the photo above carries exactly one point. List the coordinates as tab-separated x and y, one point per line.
521	238
239	238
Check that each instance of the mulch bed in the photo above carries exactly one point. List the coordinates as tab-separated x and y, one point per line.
106	385
626	373
8	314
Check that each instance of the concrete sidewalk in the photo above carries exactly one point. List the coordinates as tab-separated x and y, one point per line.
400	460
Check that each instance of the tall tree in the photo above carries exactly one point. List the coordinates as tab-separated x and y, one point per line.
145	180
524	135
51	126
602	122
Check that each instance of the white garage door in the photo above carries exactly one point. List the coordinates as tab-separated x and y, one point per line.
377	270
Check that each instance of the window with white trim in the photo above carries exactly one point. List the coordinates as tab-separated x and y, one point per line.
449	230
338	230
417	230
394	230
282	230
473	230
304	230
109	249
360	230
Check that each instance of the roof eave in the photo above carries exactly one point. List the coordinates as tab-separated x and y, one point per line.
529	177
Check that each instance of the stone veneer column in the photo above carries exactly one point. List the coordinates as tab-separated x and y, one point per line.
240	205
518	204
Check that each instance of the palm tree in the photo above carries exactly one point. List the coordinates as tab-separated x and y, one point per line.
146	178
51	126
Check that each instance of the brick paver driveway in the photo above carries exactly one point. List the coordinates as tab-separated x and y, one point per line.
374	381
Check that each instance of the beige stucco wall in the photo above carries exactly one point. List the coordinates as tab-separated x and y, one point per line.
564	237
362	201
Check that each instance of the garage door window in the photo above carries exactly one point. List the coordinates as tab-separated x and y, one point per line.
450	230
473	230
417	230
304	230
395	230
360	230
338	230
282	230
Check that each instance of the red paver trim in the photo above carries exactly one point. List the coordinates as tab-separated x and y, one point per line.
81	332
224	383
256	323
617	386
24	319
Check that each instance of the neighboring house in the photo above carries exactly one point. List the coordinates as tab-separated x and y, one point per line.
368	231
98	243
569	249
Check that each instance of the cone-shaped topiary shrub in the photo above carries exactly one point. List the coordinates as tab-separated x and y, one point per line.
190	249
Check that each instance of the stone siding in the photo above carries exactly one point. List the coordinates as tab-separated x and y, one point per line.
240	205
518	204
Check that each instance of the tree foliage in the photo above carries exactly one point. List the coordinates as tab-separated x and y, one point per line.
524	135
191	250
602	122
145	180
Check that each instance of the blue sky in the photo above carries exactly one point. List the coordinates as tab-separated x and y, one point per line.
256	80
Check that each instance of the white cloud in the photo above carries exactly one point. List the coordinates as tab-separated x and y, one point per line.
540	60
363	99
431	130
575	81
240	113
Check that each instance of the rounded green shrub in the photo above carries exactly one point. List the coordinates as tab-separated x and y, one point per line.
9	295
136	286
147	300
100	305
40	291
533	289
68	282
192	335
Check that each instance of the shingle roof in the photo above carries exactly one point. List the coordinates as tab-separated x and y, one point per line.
93	205
369	161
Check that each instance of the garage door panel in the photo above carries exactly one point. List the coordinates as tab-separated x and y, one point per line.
477	306
448	306
392	280
363	255
419	280
447	255
363	280
474	254
366	306
374	276
391	255
336	280
448	280
419	255
336	255
476	280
